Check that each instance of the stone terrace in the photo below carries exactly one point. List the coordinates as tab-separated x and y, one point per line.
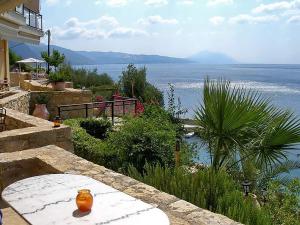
56	160
25	132
29	148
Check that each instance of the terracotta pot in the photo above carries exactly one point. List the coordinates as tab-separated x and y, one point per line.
84	200
58	86
41	111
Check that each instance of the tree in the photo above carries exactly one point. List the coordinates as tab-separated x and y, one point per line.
153	95
13	58
55	59
133	83
242	129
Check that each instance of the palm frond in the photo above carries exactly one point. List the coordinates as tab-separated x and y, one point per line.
234	120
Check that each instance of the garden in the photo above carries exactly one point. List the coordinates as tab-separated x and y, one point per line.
246	136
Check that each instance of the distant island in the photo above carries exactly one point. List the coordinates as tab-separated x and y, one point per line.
96	58
206	57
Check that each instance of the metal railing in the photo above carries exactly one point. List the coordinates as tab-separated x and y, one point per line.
33	19
116	108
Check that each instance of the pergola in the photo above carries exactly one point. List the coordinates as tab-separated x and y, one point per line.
6	5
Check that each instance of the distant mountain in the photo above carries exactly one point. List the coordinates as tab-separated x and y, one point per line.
95	58
207	57
125	58
92	58
34	51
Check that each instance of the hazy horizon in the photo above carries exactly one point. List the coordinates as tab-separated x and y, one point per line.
260	31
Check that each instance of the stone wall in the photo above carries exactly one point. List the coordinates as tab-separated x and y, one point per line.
32	133
40	85
33	85
24	101
179	211
67	97
19	101
12	123
17	78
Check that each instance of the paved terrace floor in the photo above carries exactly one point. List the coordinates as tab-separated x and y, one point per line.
179	212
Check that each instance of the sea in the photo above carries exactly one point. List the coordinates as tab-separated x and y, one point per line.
280	83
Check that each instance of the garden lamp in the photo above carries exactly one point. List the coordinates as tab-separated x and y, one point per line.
246	186
177	152
264	195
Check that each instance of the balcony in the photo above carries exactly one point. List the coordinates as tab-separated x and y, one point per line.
32	18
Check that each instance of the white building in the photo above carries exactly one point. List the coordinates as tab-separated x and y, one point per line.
20	21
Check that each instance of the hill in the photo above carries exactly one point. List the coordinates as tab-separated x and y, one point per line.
34	51
93	57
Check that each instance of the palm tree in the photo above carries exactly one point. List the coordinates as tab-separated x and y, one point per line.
241	128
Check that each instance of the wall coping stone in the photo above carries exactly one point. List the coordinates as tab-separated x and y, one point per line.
38	133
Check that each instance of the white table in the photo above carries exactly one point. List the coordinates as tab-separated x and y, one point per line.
50	199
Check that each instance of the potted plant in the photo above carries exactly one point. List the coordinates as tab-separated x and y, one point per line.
57	81
41	110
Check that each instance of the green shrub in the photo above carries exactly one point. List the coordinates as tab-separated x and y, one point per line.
153	95
207	189
283	202
86	78
98	128
234	205
141	140
56	77
151	140
67	70
42	99
90	148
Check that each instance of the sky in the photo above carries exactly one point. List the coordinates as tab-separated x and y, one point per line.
250	31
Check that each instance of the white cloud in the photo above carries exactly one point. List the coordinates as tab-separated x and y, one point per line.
244	18
156	3
153	20
112	3
52	2
291	12
294	19
103	21
56	2
125	32
219	2
186	2
217	20
99	28
277	6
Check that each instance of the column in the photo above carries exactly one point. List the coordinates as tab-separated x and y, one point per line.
6	55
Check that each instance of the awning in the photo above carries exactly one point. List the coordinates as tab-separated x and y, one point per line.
31	60
6	5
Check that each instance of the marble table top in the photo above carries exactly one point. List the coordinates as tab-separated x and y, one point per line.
50	199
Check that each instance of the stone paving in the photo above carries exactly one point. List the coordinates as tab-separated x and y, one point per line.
57	159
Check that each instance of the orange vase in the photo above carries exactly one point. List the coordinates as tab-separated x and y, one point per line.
84	200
